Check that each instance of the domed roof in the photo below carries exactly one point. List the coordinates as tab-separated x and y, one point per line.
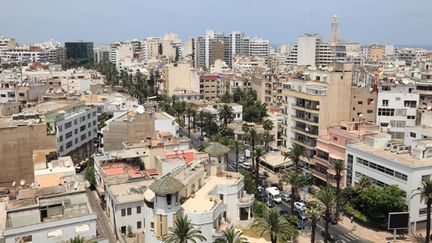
166	185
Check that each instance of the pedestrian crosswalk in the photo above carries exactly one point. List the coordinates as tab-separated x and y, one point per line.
345	238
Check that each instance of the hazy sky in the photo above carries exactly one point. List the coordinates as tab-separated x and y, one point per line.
280	21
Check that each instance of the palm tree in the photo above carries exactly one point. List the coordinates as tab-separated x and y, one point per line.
339	167
273	224
327	198
77	239
183	232
201	117
189	113
194	115
425	192
231	235
266	137
314	214
296	152
237	145
258	153
267	124
296	181
209	121
226	114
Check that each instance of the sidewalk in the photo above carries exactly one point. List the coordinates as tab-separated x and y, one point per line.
360	231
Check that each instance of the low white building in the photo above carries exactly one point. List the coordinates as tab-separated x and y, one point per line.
236	108
50	218
405	168
125	206
164	122
76	86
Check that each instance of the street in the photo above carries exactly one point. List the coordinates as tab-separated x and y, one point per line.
341	234
102	217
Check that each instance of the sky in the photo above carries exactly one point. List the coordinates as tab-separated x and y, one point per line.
399	22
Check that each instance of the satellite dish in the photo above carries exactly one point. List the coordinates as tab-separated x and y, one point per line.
67	163
32	185
429	108
318	106
13	183
22	182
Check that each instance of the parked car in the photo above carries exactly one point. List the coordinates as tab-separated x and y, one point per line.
300	225
300	206
260	197
270	203
285	197
81	166
245	166
330	237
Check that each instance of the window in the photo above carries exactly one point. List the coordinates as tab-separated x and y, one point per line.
139	225
169	199
123	230
76	131
60	138
82	118
426	177
385	88
138	209
410	103
129	211
82	128
68	124
89	133
385	102
68	144
76	140
83	137
94	123
61	148
94	113
152	225
360	102
89	125
123	212
75	121
60	128
24	239
410	117
88	116
412	134
369	111
385	112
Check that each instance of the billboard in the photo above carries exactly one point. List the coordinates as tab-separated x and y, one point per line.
398	220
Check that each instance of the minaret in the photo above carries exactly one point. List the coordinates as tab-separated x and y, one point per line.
334	31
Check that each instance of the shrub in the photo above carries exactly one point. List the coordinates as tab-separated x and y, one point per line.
357	215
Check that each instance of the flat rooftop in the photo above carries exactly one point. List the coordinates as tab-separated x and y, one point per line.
50	106
275	159
402	159
120	168
129	192
203	201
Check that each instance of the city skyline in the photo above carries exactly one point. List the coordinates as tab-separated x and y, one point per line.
104	22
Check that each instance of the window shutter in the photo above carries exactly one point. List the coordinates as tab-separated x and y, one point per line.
164	225
157	226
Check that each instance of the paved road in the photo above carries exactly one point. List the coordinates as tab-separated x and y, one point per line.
341	234
103	219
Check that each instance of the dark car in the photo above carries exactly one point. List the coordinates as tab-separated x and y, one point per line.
81	166
329	237
270	203
285	213
260	197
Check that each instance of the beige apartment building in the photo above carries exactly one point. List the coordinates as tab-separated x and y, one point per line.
130	126
376	52
24	141
313	103
179	76
363	104
211	86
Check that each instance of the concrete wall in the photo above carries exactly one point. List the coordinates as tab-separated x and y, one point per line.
122	130
16	151
363	101
10	108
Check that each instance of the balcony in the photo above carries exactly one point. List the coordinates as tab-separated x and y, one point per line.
306	130
310	120
246	201
310	144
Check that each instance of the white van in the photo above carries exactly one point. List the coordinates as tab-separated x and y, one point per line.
273	193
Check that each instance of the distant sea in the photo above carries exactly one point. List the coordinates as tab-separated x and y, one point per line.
415	46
